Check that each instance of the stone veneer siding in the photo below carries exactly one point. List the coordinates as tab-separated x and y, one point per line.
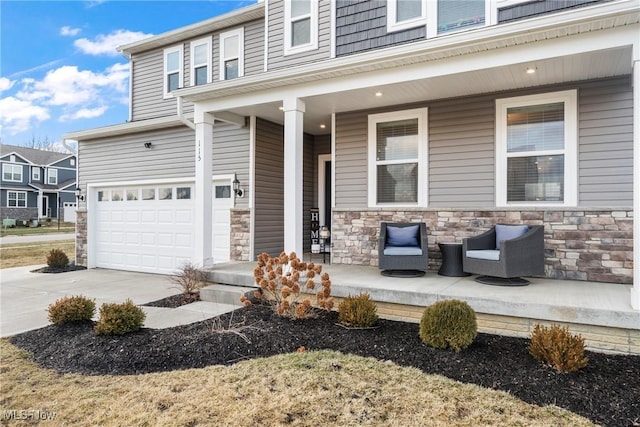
81	237
240	234
585	244
19	213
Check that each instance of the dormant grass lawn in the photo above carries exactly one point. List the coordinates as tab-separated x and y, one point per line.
35	253
65	227
301	389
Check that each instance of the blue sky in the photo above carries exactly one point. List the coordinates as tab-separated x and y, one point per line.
59	68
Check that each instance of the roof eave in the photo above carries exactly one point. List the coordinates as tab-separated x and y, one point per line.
123	129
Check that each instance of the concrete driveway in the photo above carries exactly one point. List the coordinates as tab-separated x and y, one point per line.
25	296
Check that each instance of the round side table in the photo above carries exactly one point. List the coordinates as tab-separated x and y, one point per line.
451	260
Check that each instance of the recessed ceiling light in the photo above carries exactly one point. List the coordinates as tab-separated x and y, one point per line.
281	108
531	70
378	93
322	126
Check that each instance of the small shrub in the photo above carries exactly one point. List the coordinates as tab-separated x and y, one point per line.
358	311
282	280
119	319
449	323
57	259
189	278
71	309
557	347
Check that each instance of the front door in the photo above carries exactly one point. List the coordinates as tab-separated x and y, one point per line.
325	193
45	207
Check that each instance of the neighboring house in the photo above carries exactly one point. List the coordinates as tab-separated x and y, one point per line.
459	114
36	183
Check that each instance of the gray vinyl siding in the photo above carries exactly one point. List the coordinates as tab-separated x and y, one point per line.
462	148
148	84
362	25
307	190
254	48
269	183
606	143
276	56
540	7
231	155
351	160
126	159
461	152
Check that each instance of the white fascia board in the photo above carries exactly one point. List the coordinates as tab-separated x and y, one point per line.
123	129
233	18
477	40
582	43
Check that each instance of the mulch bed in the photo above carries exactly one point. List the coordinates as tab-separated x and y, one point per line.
175	301
607	391
56	270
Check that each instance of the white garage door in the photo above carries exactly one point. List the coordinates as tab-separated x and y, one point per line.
221	222
145	228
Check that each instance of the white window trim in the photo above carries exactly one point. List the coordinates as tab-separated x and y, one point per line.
237	32
72	161
16	199
423	143
35	173
570	100
51	173
393	25
167	51
12	167
313	39
192	49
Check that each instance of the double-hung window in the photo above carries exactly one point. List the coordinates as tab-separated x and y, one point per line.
455	15
536	149
200	55
301	26
397	158
173	67
17	199
52	176
232	54
12	173
405	14
35	173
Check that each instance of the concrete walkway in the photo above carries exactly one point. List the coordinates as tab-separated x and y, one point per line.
25	297
30	238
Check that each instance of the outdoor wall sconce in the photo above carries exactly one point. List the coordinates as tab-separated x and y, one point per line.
79	195
324	234
236	186
148	145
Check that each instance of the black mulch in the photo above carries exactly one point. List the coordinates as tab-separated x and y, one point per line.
607	391
70	267
174	301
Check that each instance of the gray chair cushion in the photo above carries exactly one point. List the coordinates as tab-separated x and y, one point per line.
403	236
402	250
508	232
488	254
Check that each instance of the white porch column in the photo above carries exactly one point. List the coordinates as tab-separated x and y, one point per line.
635	291
204	188
293	160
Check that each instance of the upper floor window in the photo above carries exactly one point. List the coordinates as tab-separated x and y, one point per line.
72	161
200	60
12	172
35	173
232	54
52	176
405	14
17	199
536	149
397	158
300	26
172	70
455	15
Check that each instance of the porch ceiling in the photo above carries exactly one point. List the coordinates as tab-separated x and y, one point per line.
560	69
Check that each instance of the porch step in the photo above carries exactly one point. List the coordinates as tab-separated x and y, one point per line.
224	294
232	276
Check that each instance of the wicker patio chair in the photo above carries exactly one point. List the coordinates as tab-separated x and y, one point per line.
403	249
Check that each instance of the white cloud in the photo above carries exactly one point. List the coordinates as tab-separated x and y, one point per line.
17	115
107	44
65	92
6	84
84	113
68	31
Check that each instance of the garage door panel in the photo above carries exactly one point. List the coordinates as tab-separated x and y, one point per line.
165	217
184	216
148	239
148	217
133	238
183	240
117	216
148	261
133	216
165	239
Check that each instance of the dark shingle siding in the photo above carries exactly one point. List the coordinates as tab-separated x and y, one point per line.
540	7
